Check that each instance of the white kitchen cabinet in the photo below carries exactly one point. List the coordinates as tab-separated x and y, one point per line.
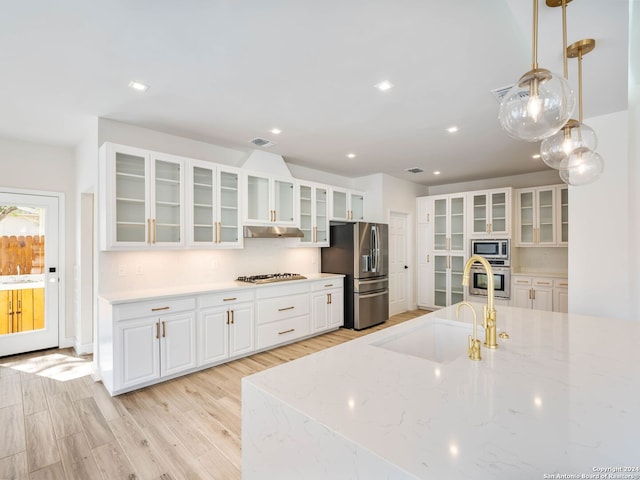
213	196
448	213
313	212
562	195
268	200
142	198
423	210
537	217
283	314
141	343
225	326
490	213
327	305
532	292
561	295
424	254
346	205
445	275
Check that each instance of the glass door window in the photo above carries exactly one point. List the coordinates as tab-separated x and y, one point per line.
28	273
131	194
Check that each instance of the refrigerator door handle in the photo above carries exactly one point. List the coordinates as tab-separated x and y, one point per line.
375	280
374	248
375	294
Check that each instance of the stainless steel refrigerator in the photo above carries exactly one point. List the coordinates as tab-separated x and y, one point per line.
360	252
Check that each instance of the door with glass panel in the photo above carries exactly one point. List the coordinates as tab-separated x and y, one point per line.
449	223
313	215
447	280
28	272
536	216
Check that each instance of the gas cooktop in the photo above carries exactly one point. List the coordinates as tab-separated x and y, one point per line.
271	277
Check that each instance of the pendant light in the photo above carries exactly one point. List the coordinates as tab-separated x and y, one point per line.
540	104
575	134
583	165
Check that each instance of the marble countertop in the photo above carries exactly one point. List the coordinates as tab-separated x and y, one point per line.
185	290
540	274
561	395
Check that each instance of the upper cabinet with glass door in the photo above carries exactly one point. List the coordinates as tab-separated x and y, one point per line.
346	205
448	213
214	199
537	217
142	200
562	195
490	213
268	200
313	215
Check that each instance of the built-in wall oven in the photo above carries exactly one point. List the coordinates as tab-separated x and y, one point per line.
498	254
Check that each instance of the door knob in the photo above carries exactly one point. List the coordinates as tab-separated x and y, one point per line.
405	267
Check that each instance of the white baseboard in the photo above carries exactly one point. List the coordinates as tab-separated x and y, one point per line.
83	349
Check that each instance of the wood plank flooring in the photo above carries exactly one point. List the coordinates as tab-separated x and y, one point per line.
56	423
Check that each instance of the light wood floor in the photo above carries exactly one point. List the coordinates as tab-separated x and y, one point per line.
56	423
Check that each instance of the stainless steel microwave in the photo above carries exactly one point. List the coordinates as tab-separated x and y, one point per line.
492	249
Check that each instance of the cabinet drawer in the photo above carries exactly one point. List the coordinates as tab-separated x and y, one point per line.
225	298
153	307
543	282
288	288
561	283
521	280
327	284
274	309
282	331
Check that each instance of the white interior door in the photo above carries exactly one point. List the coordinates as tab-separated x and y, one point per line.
28	272
398	263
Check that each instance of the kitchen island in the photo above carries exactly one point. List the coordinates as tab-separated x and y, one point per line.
561	396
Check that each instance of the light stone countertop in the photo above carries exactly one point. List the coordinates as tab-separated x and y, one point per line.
540	274
562	395
186	290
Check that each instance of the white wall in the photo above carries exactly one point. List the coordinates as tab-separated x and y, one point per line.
634	151
31	166
86	172
536	179
600	269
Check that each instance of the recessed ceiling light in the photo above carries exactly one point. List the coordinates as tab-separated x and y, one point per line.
437	172
383	86
351	155
452	129
536	156
276	131
141	87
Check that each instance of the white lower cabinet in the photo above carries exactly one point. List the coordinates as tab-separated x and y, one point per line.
146	341
225	326
539	293
283	314
327	305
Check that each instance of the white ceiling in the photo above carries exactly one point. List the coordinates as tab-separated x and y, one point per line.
226	71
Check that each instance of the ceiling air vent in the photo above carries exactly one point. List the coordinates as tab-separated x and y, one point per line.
261	142
414	170
499	93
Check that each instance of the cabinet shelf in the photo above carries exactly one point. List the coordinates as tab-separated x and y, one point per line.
202	205
229	189
167	180
167	204
131	224
129	200
129	175
207	186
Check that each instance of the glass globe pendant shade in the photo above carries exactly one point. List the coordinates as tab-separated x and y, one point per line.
556	149
582	167
538	106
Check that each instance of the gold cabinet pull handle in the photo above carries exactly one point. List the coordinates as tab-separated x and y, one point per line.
233	317
227	317
285	308
154	230
286	331
148	230
158	330
157	309
230	299
164	330
544	283
329	285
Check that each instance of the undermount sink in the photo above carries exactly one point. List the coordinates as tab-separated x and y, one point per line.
440	341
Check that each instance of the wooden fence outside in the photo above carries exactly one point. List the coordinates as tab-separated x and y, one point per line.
26	251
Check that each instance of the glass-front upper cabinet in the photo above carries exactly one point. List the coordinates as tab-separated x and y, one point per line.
215	202
313	215
346	205
563	215
142	199
268	200
490	213
537	216
449	223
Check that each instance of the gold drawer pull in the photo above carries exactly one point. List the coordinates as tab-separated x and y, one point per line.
229	299
157	309
286	331
285	308
543	283
329	285
562	284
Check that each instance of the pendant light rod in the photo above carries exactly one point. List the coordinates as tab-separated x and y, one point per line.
563	4
534	60
577	50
